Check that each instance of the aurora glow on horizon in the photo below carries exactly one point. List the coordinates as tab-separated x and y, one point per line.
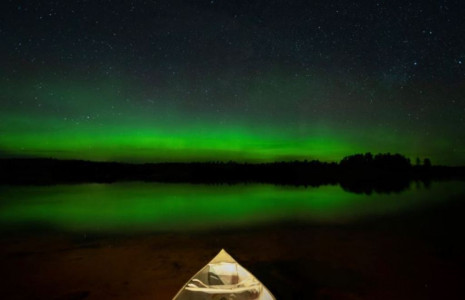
205	80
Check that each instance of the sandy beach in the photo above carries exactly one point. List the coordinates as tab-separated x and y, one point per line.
294	262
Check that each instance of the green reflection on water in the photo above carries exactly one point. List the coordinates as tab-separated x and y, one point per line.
127	207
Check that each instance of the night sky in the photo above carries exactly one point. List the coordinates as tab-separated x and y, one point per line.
226	80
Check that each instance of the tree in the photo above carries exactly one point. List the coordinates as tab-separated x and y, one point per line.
427	162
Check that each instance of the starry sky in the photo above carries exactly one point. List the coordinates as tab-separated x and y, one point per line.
265	80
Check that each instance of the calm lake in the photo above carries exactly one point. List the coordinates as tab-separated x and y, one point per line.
155	207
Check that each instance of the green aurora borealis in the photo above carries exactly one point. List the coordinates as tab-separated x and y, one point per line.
255	81
282	120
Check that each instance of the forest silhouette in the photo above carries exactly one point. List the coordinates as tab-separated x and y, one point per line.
359	173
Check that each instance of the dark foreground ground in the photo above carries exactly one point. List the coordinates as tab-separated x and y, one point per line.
412	256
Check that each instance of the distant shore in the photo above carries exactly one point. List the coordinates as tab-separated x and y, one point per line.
386	173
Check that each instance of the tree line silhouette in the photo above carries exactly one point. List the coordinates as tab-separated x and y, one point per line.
359	173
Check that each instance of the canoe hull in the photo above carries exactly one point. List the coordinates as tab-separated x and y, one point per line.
223	279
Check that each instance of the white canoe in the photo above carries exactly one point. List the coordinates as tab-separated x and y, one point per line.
223	279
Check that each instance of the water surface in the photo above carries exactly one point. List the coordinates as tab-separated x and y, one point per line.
133	207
